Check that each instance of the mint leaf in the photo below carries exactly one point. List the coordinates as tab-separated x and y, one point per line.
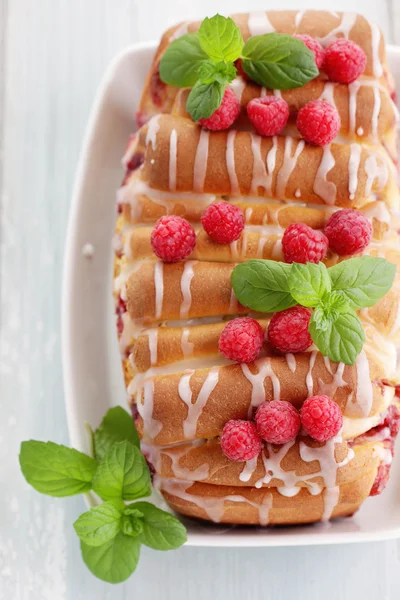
204	99
56	470
263	285
161	530
278	61
181	61
99	525
309	283
221	72
321	318
132	526
114	561
362	281
220	38
122	474
116	426
343	338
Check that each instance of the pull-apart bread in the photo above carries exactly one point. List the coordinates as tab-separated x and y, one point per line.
199	407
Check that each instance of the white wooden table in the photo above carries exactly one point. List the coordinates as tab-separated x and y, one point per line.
52	56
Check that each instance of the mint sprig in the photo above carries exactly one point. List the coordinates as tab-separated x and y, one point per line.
111	533
205	61
334	294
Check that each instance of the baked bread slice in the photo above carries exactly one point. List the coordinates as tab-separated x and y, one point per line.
170	316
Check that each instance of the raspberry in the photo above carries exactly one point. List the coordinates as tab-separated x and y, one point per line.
318	122
313	45
288	330
382	477
345	61
348	232
239	68
225	115
302	244
321	418
240	440
173	238
241	340
223	222
277	422
269	114
141	118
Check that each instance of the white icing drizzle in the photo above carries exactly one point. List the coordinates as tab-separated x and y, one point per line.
289	163
298	193
364	395
187	347
309	378
345	26
153	129
377	68
200	162
233	303
262	171
360	131
173	152
354	163
375	171
179	32
258	23
230	162
154	453
152	335
237	86
195	409
257	381
299	17
322	187
248	469
376	111
186	280
291	362
159	287
330	389
151	426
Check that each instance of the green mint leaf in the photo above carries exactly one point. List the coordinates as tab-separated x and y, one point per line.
56	470
114	561
321	318
132	526
180	63
122	474
335	301
342	340
204	99
220	72
99	525
278	61
116	426
362	281
220	38
263	285
309	283
161	530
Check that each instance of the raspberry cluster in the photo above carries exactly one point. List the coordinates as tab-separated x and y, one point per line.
279	422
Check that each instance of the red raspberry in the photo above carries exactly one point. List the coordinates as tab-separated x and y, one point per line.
269	114
241	72
225	115
321	418
302	244
277	422
313	45
318	122
382	477
173	238
241	340
348	232
288	330
223	222
240	440
345	61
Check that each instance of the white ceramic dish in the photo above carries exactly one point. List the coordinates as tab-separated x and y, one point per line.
92	373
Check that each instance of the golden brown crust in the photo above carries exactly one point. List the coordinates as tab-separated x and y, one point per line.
252	506
234	394
296	166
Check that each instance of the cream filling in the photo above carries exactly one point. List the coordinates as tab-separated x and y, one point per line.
352	428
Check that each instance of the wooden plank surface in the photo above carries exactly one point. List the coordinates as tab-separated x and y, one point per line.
52	56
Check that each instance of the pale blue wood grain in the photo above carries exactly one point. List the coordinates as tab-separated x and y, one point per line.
55	52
